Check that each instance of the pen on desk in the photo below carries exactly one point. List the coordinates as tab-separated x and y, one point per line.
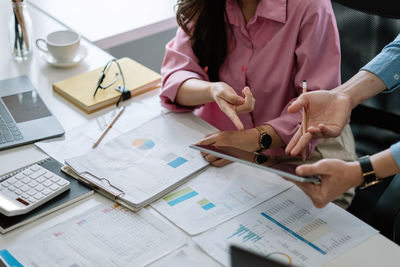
304	122
109	126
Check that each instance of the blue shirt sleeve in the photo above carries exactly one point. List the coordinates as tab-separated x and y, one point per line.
395	149
386	65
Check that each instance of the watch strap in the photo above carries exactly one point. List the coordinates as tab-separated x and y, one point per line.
368	172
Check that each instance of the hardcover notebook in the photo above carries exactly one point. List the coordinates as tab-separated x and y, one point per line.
79	89
76	192
145	163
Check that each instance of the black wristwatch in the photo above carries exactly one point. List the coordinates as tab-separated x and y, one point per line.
260	158
368	172
265	139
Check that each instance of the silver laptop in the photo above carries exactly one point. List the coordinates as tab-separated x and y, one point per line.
24	118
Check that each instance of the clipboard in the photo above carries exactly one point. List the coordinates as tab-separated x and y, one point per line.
118	195
144	164
98	187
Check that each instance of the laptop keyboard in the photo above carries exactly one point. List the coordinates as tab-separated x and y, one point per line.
9	131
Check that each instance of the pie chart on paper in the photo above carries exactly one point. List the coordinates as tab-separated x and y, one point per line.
143	144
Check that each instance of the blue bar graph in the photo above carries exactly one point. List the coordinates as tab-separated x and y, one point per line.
208	206
182	198
177	162
246	234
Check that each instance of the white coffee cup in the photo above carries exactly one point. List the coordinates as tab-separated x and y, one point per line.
62	45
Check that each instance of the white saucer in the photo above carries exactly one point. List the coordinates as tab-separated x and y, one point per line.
54	62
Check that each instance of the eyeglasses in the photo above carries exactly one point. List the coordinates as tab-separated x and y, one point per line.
125	94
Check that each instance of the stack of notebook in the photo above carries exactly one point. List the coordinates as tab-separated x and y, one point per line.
80	89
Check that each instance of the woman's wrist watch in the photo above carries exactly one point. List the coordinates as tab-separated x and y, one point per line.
265	139
368	172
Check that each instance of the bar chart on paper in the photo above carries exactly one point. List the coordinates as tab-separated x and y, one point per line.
293	232
216	195
180	196
246	234
148	161
173	160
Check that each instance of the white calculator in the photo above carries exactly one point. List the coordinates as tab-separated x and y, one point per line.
28	189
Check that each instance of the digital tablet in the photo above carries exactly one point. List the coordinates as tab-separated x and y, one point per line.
257	160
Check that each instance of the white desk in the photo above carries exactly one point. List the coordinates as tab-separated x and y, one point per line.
112	23
377	251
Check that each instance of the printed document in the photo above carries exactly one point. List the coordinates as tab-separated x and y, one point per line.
79	141
148	161
218	194
101	236
288	228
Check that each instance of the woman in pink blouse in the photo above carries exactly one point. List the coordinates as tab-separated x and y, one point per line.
239	63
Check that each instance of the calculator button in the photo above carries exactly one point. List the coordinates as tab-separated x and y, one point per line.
33	183
55	179
39	196
62	182
41	179
54	187
18	184
27	172
11	180
26	180
11	188
32	192
39	187
25	196
35	168
36	174
18	192
24	188
4	185
19	176
46	191
46	183
48	175
32	200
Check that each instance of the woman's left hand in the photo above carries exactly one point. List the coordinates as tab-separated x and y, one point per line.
245	140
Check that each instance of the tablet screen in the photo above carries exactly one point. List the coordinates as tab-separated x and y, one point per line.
257	160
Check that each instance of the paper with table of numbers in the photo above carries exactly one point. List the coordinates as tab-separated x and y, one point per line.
288	228
101	236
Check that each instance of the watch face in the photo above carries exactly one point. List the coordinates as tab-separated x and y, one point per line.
260	158
265	141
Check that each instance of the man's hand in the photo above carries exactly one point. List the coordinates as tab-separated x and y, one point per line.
232	104
336	175
327	114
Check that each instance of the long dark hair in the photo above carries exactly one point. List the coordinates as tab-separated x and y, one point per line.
204	22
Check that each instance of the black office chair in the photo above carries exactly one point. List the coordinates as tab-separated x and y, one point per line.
365	27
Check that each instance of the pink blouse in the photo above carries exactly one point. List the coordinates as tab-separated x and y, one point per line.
284	43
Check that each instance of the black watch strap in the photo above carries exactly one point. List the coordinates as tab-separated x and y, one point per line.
368	172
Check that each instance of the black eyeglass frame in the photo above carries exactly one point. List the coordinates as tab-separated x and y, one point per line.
120	88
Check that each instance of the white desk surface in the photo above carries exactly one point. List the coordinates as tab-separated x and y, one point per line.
376	251
112	23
